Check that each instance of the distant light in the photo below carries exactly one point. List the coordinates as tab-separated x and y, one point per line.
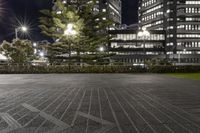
41	54
146	33
140	33
70	30
59	12
24	28
34	44
57	40
35	51
101	49
144	28
2	57
70	26
64	2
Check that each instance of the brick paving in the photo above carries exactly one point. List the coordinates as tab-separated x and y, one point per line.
99	103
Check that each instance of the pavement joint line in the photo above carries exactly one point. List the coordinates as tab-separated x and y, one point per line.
108	125
96	119
13	124
125	112
139	114
19	102
12	101
38	106
45	107
104	129
30	100
99	101
43	97
169	117
78	108
189	121
15	107
56	130
56	109
179	109
47	117
89	110
70	104
29	107
10	121
18	95
113	112
29	104
9	92
155	117
7	130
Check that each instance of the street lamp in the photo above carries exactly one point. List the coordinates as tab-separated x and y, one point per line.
69	32
101	49
41	54
144	34
22	29
34	44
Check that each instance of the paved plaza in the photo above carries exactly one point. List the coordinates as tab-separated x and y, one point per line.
99	103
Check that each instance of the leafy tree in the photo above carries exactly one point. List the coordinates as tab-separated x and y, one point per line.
90	25
54	25
95	32
96	24
18	51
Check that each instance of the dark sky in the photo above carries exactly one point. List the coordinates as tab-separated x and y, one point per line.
27	11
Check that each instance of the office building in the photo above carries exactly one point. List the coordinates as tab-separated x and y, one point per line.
112	7
180	20
131	49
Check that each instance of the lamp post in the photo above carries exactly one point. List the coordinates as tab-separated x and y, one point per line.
70	32
144	34
21	28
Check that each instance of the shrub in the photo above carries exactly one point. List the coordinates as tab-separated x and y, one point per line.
28	69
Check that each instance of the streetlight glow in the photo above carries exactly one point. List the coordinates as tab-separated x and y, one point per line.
140	33
144	34
101	49
41	54
24	28
70	26
35	51
21	28
34	44
70	30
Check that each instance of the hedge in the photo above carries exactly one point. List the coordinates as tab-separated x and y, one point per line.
28	69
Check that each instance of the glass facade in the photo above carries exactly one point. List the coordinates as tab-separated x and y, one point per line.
180	20
113	7
131	49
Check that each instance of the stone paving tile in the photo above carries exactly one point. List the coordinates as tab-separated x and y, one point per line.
99	103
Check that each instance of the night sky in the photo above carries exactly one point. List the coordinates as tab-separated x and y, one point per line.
12	12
